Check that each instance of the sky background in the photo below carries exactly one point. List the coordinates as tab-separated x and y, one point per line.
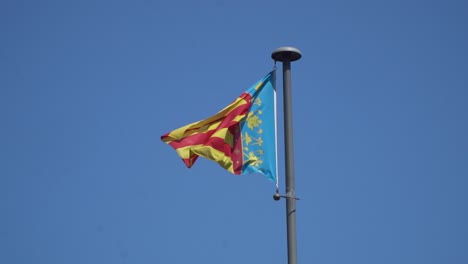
380	130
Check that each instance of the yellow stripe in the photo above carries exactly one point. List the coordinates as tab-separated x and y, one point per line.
224	134
207	124
215	155
182	132
208	153
185	152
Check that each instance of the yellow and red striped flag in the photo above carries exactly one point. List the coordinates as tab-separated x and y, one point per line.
241	137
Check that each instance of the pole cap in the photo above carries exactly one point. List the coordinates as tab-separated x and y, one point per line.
286	54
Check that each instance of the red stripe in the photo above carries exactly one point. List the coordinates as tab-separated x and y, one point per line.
234	151
236	155
203	137
190	161
240	110
215	142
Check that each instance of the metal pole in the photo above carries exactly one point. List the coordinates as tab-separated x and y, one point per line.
286	55
289	159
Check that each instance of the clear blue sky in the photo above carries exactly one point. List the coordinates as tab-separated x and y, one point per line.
380	130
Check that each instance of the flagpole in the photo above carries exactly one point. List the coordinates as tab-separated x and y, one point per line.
286	55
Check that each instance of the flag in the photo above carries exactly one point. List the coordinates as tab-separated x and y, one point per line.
241	137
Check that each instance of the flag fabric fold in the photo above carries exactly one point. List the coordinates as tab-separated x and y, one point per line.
241	138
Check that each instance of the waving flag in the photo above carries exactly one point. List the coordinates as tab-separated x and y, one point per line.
241	137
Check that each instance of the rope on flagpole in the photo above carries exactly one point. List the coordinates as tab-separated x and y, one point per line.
277	196
276	127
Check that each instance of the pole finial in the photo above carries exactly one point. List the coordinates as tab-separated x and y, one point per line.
286	54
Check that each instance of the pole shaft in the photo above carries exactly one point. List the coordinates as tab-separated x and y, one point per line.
289	158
